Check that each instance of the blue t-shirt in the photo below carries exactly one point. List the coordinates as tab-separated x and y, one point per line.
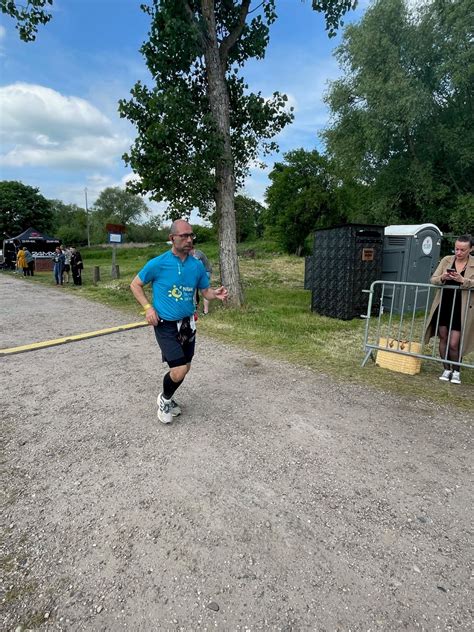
174	283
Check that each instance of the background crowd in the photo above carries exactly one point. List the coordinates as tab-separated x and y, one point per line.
67	261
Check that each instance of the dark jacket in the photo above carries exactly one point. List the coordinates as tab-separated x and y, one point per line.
76	261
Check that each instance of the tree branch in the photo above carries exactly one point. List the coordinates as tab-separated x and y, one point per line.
192	20
231	39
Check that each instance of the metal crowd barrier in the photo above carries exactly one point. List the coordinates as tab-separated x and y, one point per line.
399	312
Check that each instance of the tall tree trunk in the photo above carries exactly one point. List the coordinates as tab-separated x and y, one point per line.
225	178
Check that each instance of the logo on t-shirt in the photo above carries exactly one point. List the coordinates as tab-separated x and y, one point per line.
176	293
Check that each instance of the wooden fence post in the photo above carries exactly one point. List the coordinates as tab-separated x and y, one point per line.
96	277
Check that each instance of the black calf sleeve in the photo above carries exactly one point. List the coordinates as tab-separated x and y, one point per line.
170	387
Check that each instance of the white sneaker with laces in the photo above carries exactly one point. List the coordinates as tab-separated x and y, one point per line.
164	410
456	377
445	376
175	407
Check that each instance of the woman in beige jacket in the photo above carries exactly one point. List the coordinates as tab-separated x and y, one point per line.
454	271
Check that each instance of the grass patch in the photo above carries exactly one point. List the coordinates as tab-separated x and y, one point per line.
276	320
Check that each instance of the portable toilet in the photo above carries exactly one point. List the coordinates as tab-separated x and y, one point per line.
346	260
410	254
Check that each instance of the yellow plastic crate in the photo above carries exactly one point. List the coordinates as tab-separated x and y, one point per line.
397	361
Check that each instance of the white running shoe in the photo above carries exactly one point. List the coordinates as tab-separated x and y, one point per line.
456	377
164	410
175	407
445	376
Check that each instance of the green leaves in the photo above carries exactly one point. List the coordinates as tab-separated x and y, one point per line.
301	197
333	11
22	207
118	205
179	145
403	110
28	16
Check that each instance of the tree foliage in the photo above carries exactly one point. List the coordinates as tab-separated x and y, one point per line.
248	218
28	16
116	206
120	206
22	207
178	144
69	223
403	111
149	231
302	197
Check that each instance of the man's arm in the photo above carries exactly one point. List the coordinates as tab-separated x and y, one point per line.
137	290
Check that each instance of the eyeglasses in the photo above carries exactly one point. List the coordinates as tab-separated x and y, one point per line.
186	235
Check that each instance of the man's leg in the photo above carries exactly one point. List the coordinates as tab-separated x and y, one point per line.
173	380
178	356
167	407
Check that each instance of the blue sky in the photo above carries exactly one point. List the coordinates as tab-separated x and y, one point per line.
59	126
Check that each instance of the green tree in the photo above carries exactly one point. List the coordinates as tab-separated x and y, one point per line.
22	206
302	197
403	110
69	223
149	231
248	218
462	216
28	16
120	206
199	126
115	206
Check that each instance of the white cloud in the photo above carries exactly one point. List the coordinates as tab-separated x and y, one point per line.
3	32
41	127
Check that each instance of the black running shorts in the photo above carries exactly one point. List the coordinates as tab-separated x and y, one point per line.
174	352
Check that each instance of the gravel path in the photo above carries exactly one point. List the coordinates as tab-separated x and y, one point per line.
279	500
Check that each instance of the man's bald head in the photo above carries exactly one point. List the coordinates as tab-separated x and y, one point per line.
180	226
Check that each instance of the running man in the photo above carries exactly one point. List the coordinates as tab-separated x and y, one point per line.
174	277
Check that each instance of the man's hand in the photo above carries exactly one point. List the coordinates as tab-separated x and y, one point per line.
151	316
221	293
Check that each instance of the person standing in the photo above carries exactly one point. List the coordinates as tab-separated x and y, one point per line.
174	276
200	256
21	261
76	266
67	264
453	309
58	260
30	262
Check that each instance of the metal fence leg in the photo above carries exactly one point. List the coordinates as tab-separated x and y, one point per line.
367	356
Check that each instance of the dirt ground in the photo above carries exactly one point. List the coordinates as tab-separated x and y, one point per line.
279	500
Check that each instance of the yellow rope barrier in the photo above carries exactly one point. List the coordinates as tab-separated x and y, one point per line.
61	341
